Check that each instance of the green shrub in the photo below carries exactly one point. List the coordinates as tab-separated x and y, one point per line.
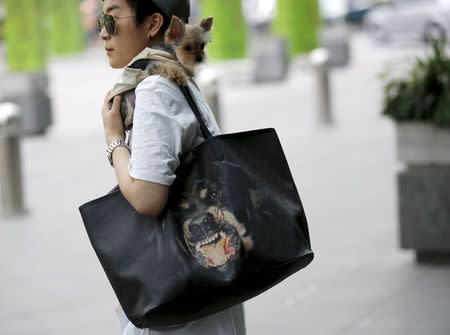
424	95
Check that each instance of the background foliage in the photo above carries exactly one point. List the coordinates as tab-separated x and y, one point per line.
424	94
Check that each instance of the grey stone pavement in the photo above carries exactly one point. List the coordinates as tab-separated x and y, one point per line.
360	281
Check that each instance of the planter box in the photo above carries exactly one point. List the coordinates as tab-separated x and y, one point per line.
424	190
422	144
424	209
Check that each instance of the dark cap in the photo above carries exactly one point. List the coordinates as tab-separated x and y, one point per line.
180	8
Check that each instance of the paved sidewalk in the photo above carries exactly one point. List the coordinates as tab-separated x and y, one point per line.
360	281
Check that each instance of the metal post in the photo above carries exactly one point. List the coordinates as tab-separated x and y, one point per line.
319	59
335	38
10	164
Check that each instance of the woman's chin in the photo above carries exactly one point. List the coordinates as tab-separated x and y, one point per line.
113	62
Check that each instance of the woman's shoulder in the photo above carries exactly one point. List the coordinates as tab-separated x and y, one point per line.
158	84
173	104
168	92
165	97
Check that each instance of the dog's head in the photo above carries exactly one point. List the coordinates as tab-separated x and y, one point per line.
189	40
215	233
212	239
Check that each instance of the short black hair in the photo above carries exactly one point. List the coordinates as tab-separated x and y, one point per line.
144	9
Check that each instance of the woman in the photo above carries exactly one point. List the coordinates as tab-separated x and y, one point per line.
163	127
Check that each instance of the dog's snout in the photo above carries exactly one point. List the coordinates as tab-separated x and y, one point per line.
201	225
195	229
199	59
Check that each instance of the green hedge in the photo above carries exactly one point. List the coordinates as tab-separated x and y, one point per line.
298	21
66	35
229	33
25	35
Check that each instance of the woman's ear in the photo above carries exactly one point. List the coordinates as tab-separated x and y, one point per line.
153	25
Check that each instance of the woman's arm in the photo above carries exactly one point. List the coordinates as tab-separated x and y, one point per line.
147	198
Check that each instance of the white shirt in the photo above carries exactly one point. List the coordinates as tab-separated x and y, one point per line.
164	126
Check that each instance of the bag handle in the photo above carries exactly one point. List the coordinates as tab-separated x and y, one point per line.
188	95
204	129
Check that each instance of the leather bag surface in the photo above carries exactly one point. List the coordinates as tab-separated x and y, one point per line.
233	227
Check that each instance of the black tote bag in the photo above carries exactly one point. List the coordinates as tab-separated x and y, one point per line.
233	227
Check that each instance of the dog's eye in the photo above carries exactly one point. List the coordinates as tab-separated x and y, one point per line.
188	48
202	45
183	204
214	195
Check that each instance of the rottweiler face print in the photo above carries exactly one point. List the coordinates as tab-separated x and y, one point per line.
213	233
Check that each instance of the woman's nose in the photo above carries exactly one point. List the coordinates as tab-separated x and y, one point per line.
104	34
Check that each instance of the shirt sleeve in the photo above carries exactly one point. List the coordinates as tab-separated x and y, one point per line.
156	140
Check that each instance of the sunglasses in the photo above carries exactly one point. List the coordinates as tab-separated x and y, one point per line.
108	22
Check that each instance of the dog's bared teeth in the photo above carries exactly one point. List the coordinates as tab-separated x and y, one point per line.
210	239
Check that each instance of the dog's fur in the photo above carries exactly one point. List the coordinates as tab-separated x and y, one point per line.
185	41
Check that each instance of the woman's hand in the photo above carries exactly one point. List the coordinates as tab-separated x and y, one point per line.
112	120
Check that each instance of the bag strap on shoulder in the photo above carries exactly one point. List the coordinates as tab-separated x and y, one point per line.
142	64
205	131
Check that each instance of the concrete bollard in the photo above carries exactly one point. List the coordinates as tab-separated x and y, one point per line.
11	194
29	91
335	39
270	57
319	59
209	84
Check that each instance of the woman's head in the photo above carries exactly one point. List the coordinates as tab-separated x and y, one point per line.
139	23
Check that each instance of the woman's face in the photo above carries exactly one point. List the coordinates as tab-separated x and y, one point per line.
129	40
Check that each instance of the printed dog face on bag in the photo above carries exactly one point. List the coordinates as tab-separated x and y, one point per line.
213	230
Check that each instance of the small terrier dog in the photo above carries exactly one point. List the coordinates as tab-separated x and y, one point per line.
187	42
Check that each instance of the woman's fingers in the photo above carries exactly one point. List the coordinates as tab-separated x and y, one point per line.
106	100
112	120
116	103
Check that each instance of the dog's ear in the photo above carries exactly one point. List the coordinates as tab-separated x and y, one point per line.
206	24
175	31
